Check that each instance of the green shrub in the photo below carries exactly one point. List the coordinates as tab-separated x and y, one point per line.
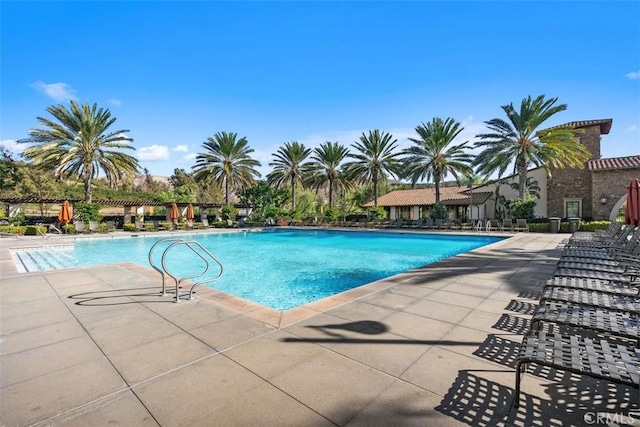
87	211
129	227
542	227
228	212
17	230
438	211
378	213
594	225
166	224
523	208
68	229
35	230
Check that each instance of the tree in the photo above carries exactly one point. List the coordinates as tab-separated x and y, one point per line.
10	174
80	143
433	157
517	142
289	166
373	160
227	161
264	199
325	168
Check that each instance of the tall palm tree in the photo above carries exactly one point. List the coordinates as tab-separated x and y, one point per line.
289	166
226	161
433	156
373	160
80	143
517	141
325	168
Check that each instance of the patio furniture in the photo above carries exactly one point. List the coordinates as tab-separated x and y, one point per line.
493	225
80	227
598	285
94	227
611	322
609	359
521	225
592	298
140	226
507	225
111	226
158	227
427	224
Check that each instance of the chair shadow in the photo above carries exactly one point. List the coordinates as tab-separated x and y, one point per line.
522	307
513	324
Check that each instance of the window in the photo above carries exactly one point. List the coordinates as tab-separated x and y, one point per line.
573	208
404	212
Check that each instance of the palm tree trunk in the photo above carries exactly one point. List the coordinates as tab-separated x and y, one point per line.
330	193
293	195
522	176
88	172
226	190
375	192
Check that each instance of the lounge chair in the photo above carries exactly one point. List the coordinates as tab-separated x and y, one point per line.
191	224
230	224
438	224
111	226
158	227
80	227
427	224
94	227
468	226
205	223
521	225
507	225
140	226
493	225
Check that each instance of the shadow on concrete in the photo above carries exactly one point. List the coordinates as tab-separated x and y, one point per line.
116	296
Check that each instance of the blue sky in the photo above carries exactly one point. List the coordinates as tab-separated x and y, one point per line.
175	73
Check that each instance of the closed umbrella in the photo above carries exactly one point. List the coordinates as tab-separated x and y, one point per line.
632	214
190	214
174	214
65	213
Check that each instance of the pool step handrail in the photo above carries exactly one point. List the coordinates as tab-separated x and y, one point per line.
158	268
195	248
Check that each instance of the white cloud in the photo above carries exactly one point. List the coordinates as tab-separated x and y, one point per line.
188	157
634	75
114	102
633	128
13	146
57	91
153	153
182	148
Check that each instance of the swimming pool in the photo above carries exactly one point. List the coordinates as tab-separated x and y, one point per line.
280	268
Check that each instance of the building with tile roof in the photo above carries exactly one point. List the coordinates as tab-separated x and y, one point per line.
597	191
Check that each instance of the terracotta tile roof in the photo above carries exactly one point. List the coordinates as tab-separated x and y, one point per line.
614	163
605	125
427	196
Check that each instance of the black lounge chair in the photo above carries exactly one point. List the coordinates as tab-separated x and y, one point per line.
609	359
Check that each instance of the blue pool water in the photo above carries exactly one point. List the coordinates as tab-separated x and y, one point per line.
281	268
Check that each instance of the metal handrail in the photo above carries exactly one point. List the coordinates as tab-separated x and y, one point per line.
164	271
157	268
178	280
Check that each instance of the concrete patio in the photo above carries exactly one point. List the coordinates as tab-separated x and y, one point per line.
432	347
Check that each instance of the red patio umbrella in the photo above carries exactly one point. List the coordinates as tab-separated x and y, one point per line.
190	214
65	213
632	214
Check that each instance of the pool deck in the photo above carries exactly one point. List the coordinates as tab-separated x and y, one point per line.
435	346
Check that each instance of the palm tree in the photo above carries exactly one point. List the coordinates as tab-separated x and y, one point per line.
433	156
325	168
374	159
288	166
518	141
79	143
226	161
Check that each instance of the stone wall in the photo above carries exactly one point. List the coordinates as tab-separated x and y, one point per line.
574	183
613	185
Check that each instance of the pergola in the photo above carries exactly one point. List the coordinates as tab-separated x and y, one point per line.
129	206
